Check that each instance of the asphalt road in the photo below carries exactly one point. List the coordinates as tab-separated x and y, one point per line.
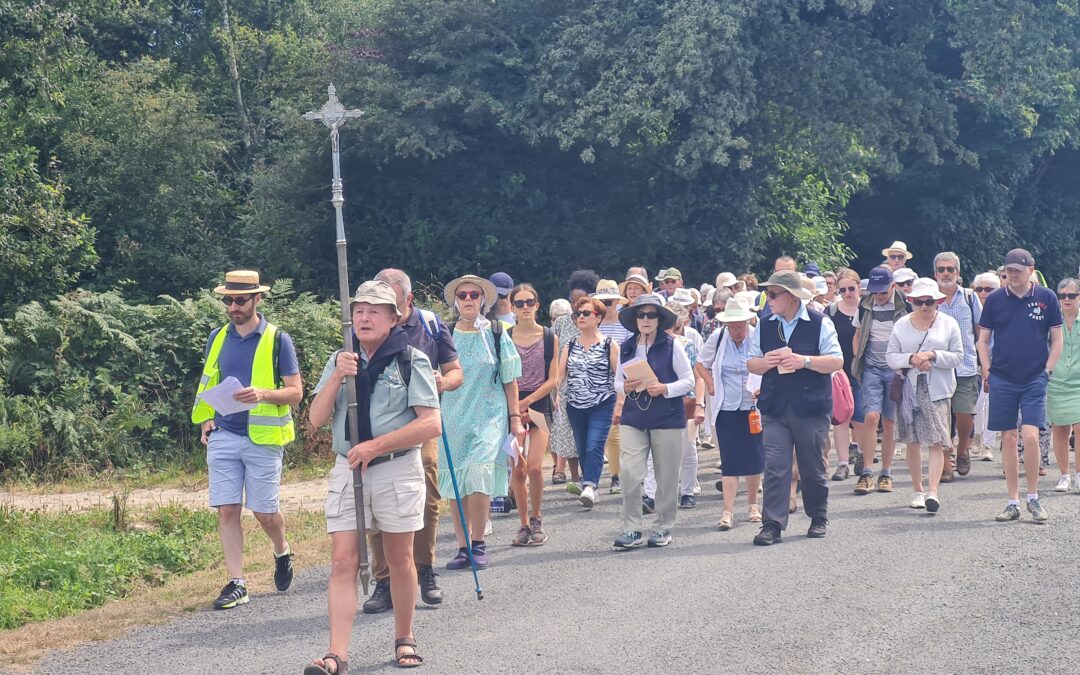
890	589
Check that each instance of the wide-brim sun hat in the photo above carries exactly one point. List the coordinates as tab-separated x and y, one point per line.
736	309
488	288
925	287
628	317
726	279
904	275
897	246
638	279
683	296
789	281
751	298
607	289
241	282
376	293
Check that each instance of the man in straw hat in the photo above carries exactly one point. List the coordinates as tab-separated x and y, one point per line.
397	407
896	256
244	447
795	351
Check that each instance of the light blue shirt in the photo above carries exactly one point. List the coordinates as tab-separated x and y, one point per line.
828	345
962	312
729	370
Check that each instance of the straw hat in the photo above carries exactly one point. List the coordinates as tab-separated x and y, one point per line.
628	317
925	288
490	294
635	279
241	282
897	247
788	281
607	289
736	309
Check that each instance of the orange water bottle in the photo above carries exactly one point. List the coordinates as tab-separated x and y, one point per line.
755	421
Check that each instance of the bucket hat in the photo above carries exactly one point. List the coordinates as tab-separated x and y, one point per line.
789	281
628	317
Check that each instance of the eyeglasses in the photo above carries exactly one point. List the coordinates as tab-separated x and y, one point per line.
669	281
1068	296
905	283
848	289
531	302
984	289
647	315
586	313
468	295
239	300
946	268
923	302
608	303
775	294
897	256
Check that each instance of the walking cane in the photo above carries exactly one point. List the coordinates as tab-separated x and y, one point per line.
333	115
461	514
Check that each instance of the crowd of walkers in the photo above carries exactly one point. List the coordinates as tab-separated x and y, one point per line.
633	378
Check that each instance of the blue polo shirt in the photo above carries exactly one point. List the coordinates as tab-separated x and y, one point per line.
236	357
1021	326
439	348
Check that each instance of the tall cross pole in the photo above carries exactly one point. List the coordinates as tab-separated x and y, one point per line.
333	115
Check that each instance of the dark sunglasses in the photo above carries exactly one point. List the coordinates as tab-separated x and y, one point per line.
239	300
897	256
583	312
847	289
905	283
648	315
531	302
1068	296
984	289
950	269
923	302
468	295
775	294
608	303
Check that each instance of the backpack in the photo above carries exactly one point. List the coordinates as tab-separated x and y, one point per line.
430	322
843	401
496	333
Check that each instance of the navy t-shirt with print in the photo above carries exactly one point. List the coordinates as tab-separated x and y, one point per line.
1021	328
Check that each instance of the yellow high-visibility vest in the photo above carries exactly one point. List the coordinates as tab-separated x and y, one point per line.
268	424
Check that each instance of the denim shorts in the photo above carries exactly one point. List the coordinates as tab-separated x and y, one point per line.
242	470
859	414
1006	398
875	392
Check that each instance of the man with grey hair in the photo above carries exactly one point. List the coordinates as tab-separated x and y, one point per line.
963	305
426	332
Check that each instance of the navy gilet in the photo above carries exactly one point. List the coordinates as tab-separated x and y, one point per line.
643	411
803	392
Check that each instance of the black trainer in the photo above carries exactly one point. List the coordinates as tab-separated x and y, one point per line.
430	592
769	534
232	595
380	600
818	528
283	571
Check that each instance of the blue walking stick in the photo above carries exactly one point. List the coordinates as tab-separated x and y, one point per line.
461	514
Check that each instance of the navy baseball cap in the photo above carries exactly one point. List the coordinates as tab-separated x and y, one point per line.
504	283
812	270
1019	259
879	280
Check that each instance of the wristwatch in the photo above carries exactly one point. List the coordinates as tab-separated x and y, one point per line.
806	362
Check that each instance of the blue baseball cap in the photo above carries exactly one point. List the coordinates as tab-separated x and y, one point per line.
879	280
812	270
504	283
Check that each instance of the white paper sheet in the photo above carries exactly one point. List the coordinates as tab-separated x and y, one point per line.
753	382
220	397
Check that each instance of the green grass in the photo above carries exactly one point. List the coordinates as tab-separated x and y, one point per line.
57	565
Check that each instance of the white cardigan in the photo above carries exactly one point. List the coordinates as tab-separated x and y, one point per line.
943	339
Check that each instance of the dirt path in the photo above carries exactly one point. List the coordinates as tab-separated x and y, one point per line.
302	496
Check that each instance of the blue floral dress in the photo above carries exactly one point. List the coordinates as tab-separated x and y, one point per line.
475	416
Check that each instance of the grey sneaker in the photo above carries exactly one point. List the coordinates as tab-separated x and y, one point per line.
1011	512
659	539
523	537
538	537
629	540
1038	512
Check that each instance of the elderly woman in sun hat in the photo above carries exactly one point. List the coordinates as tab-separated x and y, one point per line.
925	347
478	414
904	278
723	364
636	283
654	417
607	292
396	415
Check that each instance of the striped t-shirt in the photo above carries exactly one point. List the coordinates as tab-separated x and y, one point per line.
616	331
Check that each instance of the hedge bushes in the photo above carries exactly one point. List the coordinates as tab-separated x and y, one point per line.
90	382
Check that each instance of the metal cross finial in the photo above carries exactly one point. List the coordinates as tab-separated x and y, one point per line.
333	115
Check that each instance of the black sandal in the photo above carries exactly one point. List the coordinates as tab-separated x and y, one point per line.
414	659
341	666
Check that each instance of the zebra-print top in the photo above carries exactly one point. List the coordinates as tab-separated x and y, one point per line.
589	378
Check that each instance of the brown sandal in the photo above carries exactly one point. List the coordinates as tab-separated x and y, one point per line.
411	660
341	666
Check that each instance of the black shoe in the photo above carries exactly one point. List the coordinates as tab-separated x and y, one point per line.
380	600
647	504
283	571
769	535
817	528
231	596
687	502
430	592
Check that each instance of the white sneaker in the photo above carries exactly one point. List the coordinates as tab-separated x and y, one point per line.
488	529
588	497
1064	483
920	501
697	488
